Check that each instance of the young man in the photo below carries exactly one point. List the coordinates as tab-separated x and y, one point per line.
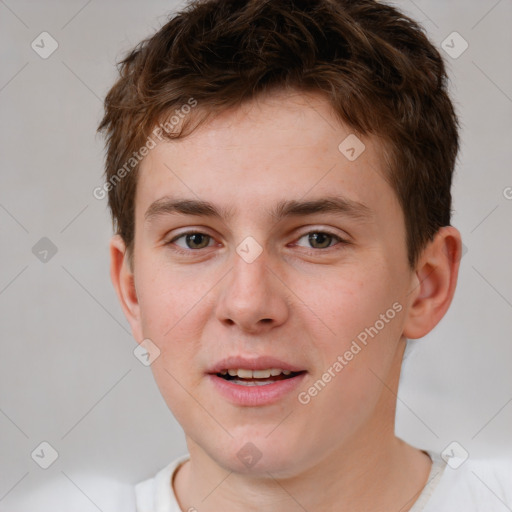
279	176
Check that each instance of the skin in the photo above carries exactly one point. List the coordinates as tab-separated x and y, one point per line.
298	301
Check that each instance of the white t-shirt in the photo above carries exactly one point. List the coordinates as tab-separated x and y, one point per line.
475	486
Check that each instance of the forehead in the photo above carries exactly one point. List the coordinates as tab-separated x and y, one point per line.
273	149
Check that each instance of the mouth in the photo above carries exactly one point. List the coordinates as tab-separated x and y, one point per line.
250	382
246	377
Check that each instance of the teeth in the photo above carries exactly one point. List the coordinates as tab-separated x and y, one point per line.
255	374
261	374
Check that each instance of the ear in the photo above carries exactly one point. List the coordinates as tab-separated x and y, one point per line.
434	283
123	280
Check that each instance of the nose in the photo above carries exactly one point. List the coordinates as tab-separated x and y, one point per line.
253	296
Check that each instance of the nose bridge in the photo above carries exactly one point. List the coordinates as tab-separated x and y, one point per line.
249	277
251	296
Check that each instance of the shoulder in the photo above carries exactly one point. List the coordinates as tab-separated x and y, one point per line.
156	493
475	485
74	490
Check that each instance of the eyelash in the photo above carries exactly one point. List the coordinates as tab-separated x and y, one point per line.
180	250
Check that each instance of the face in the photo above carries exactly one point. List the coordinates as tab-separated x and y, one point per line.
280	279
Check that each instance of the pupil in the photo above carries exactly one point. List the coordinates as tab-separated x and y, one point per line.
315	237
193	237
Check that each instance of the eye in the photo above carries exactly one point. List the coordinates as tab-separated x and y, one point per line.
321	239
192	240
196	240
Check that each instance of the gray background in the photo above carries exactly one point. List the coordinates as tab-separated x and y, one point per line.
68	375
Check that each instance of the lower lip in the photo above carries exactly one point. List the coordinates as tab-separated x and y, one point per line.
255	395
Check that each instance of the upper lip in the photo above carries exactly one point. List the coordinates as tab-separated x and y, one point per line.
252	363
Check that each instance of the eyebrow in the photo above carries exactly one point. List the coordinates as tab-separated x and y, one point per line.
337	205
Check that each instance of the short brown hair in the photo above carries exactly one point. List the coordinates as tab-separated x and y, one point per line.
374	65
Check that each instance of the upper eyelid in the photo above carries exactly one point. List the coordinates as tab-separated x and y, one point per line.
340	238
204	231
190	232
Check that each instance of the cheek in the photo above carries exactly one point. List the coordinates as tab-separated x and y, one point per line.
169	299
173	312
348	302
364	315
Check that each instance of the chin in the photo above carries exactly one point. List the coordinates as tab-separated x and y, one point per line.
259	455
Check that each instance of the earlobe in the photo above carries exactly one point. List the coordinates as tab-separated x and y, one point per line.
123	280
434	284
